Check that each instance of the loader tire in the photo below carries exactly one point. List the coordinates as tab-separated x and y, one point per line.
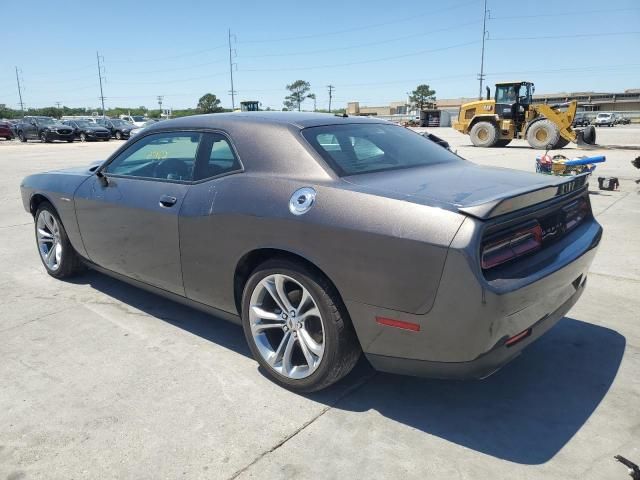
561	143
484	134
502	143
543	134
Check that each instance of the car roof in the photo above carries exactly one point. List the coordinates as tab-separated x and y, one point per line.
297	120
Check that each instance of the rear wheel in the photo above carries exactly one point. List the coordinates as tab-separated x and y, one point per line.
57	255
22	137
484	134
296	326
543	133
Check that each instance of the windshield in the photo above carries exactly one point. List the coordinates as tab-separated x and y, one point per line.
84	124
46	121
364	148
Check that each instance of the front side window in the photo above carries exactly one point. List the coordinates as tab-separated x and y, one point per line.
218	158
364	148
166	156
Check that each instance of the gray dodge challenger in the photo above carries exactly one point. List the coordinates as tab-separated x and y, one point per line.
326	236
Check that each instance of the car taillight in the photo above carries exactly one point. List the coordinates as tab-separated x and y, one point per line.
503	247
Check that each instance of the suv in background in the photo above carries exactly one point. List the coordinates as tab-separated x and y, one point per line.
580	120
137	120
46	129
119	129
623	120
605	119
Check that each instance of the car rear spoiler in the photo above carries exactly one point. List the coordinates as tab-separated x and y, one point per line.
518	200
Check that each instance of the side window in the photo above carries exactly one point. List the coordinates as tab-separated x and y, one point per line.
218	157
167	156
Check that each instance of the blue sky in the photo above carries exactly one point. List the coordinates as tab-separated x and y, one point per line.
373	51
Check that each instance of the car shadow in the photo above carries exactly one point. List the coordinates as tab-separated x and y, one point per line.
525	413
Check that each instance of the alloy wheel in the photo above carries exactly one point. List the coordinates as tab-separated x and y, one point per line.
49	243
287	326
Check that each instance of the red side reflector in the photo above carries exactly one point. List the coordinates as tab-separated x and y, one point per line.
389	322
516	338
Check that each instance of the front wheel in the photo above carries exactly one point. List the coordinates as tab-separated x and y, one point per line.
22	137
543	134
118	136
83	137
43	137
57	255
297	327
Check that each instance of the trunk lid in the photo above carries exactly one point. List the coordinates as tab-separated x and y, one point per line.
482	192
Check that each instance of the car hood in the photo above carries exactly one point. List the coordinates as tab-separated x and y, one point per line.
463	186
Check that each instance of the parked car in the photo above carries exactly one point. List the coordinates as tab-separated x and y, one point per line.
137	130
580	120
6	131
325	236
46	129
120	130
137	120
623	120
605	119
84	130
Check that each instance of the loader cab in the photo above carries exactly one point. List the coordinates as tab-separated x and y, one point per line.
513	100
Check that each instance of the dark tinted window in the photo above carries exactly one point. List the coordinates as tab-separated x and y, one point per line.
362	148
218	157
168	156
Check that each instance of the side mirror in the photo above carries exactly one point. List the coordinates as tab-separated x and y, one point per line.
104	180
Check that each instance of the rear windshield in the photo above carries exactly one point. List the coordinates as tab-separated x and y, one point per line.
365	148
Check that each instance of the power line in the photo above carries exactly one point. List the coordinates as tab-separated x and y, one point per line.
581	35
172	57
362	27
562	14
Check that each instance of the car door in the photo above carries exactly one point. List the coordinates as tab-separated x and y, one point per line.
30	128
128	213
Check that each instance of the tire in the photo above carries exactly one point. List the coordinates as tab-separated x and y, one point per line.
22	138
83	137
502	143
43	137
328	338
589	135
543	133
561	143
118	135
70	140
64	262
484	134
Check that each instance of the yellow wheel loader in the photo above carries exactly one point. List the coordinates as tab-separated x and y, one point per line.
511	114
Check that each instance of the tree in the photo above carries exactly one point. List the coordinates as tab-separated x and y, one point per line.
423	96
298	94
209	103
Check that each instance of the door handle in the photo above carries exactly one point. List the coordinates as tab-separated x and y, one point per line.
167	201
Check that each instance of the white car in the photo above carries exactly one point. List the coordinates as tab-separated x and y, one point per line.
137	120
608	119
146	124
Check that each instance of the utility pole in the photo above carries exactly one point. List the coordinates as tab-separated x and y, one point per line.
233	92
58	105
330	87
484	36
100	79
160	97
20	92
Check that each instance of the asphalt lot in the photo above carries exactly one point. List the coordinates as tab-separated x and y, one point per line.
101	380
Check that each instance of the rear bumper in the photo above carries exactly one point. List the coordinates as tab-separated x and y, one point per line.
484	365
464	333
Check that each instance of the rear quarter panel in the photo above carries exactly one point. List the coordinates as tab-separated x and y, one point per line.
376	250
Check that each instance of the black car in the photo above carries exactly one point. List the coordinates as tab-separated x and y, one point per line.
119	129
581	120
46	129
84	130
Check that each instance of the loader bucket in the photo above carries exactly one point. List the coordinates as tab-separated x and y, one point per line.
586	136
